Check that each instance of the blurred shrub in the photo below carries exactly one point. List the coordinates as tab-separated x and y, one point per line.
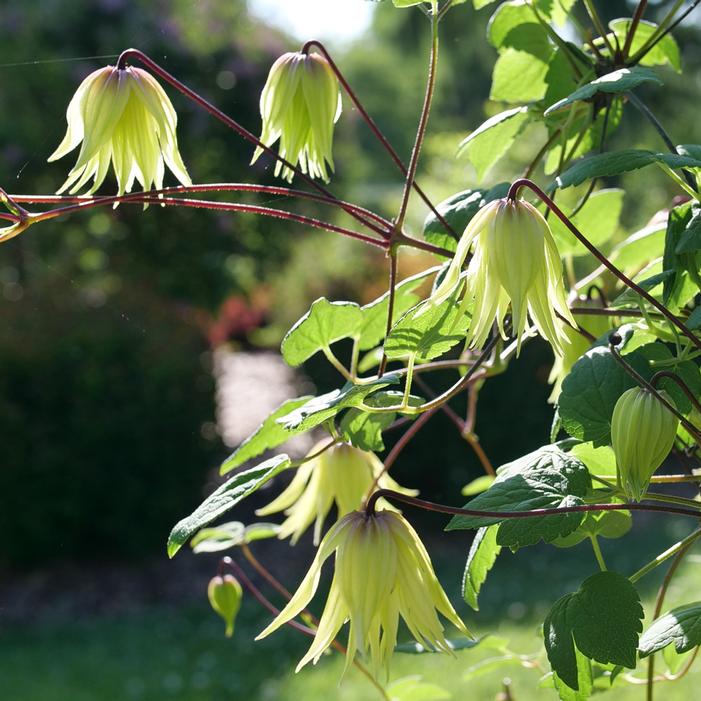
101	425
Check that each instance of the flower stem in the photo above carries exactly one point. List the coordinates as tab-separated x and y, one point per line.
423	122
513	192
376	130
531	513
637	16
220	206
390	306
232	124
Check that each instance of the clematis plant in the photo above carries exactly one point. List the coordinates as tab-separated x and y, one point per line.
511	269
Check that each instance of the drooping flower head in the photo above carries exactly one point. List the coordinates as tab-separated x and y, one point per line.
299	105
642	434
341	475
225	595
122	116
515	264
382	572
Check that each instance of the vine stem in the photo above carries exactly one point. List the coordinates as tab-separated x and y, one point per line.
390	306
597	551
219	206
523	182
232	124
314	43
531	513
679	382
423	122
637	16
88	201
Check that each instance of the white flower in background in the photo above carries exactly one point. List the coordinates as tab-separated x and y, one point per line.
123	117
299	105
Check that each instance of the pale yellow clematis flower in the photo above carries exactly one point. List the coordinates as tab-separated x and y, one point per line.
299	105
342	475
122	116
382	572
515	265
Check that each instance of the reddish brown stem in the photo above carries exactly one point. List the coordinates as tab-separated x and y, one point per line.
222	206
233	124
377	132
501	515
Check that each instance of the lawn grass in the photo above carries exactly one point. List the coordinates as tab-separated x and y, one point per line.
180	654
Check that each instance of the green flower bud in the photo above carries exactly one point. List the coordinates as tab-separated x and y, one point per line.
642	434
299	105
225	596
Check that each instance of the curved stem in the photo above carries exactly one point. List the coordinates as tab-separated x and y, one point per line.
691	429
679	382
220	206
423	122
390	305
231	123
376	130
513	192
88	201
683	544
597	551
637	16
502	515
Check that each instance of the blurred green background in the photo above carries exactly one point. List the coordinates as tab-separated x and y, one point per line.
109	321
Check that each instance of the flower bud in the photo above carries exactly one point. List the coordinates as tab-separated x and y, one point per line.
642	434
225	596
122	116
299	105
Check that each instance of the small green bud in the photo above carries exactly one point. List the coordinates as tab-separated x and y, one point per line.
225	596
642	434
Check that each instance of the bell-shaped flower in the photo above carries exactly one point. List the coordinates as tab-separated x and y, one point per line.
225	595
642	434
342	475
299	105
382	572
122	116
516	265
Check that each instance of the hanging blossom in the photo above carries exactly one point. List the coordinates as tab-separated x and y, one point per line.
341	474
299	105
515	265
123	117
382	572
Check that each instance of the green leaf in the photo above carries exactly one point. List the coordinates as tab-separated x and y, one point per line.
427	331
458	211
414	648
519	76
225	498
639	248
364	429
630	298
546	478
617	162
493	138
481	558
324	323
680	627
618	81
590	392
603	619
319	409
407	3
606	524
511	26
599	461
414	689
598	219
680	255
477	486
374	314
229	535
664	52
268	435
690	240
